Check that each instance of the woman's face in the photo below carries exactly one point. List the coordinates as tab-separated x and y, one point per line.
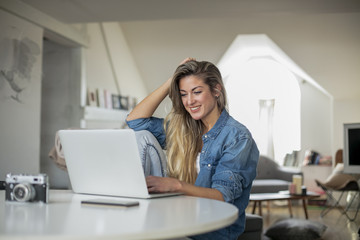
198	99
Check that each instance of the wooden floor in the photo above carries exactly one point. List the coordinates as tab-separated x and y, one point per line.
338	226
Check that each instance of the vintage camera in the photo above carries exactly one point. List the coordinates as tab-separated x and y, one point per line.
27	188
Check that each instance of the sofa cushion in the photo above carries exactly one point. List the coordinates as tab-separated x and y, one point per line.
253	228
253	223
295	229
269	185
266	168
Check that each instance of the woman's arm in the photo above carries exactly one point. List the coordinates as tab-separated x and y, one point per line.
147	107
166	184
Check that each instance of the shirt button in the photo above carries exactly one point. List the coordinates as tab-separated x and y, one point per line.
209	165
205	136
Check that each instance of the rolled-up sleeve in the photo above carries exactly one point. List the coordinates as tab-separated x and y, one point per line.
153	125
236	168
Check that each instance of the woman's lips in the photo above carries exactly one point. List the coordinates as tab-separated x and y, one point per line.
194	109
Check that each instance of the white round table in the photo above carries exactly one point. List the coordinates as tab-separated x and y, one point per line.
64	217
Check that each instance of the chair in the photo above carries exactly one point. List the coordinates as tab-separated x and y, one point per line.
342	183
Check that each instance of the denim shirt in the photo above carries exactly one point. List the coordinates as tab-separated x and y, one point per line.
228	163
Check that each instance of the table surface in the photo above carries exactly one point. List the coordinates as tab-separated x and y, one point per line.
282	195
64	217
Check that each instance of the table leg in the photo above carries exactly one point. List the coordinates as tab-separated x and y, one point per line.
260	211
305	208
290	208
254	207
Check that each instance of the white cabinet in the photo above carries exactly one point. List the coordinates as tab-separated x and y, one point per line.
312	172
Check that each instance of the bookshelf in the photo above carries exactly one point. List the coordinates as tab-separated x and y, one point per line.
96	117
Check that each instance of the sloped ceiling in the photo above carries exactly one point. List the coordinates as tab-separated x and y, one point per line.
77	11
322	37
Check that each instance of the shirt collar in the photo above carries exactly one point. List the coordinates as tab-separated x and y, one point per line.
219	125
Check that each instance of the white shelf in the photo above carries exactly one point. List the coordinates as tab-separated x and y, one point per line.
103	114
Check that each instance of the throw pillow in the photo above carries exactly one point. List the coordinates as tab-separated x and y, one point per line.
296	229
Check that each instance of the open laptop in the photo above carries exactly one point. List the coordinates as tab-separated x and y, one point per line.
105	162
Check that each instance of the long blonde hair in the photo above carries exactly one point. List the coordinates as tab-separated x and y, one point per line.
183	133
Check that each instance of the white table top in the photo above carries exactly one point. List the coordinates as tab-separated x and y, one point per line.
64	217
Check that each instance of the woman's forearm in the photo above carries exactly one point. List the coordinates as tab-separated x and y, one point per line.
195	191
168	184
147	107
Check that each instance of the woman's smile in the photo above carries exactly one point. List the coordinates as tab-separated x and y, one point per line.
195	109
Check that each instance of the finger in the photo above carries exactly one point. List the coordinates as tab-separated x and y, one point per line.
187	60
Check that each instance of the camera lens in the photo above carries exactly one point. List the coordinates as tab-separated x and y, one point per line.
24	192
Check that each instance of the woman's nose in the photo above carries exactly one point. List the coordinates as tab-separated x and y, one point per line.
190	99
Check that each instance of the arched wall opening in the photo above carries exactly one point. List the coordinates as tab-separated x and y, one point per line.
246	76
265	96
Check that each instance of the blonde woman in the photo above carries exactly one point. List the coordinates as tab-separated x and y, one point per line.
209	154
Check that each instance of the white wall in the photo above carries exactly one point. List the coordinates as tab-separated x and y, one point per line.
20	47
99	72
20	122
316	120
60	103
328	54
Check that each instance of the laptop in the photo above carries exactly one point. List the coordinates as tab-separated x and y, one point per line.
105	162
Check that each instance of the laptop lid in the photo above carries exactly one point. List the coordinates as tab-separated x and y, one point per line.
104	162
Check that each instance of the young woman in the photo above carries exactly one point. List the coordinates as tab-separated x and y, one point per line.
209	154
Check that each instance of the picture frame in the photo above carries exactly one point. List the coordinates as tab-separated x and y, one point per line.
124	102
115	101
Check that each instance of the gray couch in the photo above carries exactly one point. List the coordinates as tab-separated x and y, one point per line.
271	177
253	228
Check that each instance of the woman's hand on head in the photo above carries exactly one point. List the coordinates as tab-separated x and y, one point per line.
162	184
187	60
168	82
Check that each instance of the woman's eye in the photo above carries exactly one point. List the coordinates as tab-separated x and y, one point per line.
197	92
183	95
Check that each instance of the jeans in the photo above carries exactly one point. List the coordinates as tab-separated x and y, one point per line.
152	156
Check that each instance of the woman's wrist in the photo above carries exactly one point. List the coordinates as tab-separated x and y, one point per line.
180	187
167	85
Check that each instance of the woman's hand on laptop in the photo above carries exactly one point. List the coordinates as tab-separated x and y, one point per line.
162	184
166	184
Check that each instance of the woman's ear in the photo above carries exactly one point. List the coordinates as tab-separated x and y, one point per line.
217	90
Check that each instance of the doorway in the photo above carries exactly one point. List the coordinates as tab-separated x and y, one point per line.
265	96
60	103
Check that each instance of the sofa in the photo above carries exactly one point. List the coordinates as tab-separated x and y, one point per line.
253	228
271	177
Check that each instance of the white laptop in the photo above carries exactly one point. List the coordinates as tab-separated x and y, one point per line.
105	162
